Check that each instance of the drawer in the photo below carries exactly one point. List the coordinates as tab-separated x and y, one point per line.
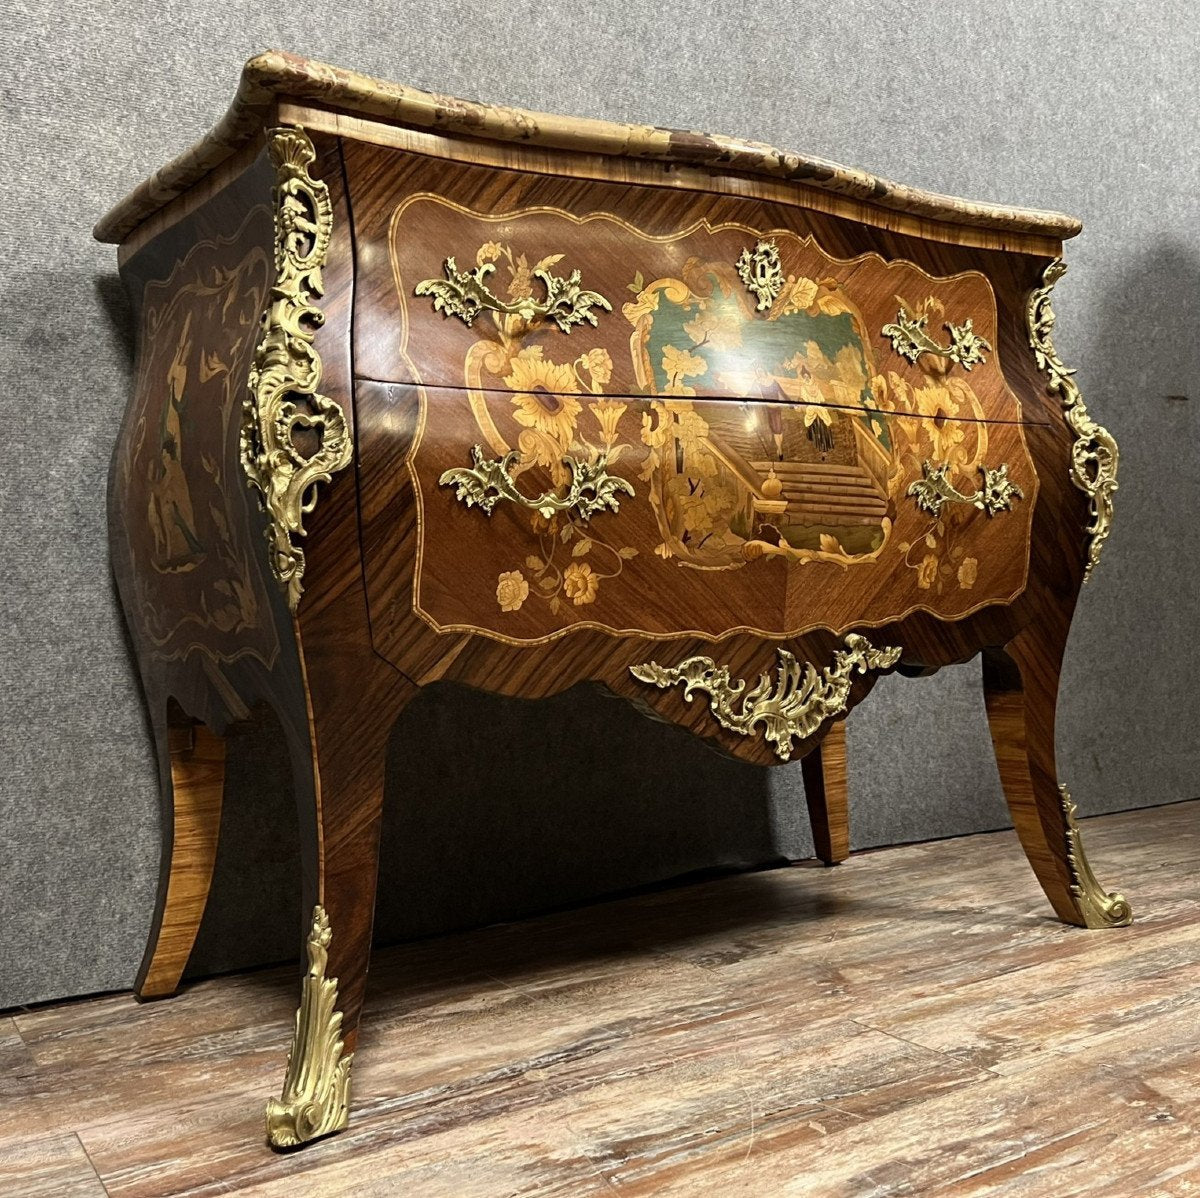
650	299
530	513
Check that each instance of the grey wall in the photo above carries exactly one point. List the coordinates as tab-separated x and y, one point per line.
1081	105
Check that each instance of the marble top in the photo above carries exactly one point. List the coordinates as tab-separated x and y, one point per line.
278	74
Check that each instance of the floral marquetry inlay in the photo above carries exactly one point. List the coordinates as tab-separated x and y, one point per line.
738	433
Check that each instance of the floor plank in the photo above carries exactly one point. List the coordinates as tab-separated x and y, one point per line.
48	1167
912	1022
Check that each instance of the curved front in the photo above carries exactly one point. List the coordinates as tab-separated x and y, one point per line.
761	414
735	518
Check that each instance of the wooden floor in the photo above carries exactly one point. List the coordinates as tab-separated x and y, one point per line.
912	1022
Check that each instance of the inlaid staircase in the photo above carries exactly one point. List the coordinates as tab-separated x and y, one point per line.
819	493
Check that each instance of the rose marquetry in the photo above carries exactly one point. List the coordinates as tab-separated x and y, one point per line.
435	390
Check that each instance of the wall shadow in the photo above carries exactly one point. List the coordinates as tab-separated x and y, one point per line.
512	807
496	809
114	303
1130	704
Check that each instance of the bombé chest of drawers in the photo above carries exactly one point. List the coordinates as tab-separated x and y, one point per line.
432	390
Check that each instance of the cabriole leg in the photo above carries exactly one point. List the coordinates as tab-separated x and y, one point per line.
826	793
341	806
1020	685
192	780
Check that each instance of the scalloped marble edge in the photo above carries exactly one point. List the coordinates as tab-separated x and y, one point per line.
276	73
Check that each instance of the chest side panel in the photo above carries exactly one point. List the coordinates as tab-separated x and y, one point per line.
190	568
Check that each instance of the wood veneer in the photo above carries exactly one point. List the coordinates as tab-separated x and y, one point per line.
405	585
197	785
827	795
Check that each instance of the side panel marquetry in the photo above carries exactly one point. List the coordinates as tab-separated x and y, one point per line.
191	575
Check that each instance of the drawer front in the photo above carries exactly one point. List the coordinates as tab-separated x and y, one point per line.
752	310
531	513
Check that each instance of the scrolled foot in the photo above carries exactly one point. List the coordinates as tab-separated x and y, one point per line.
316	1087
1098	907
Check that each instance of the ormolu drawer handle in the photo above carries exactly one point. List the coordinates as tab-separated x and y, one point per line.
910	339
792	707
463	293
935	489
592	488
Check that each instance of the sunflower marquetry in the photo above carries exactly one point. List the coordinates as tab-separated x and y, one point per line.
429	390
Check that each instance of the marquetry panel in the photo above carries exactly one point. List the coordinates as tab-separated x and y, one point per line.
761	517
673	297
190	572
